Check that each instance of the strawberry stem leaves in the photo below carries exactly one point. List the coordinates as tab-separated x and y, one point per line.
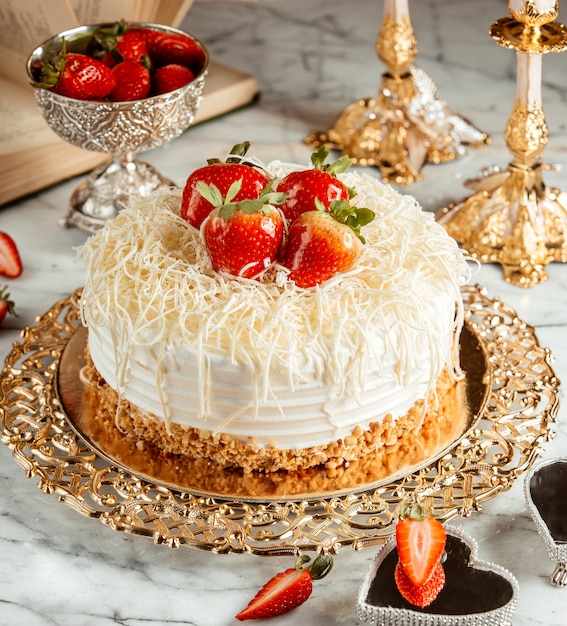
264	204
5	297
345	213
319	568
236	155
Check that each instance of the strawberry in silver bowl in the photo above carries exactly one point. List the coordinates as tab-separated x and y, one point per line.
120	89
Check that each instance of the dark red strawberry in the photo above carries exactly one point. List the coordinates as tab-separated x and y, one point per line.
133	82
420	542
167	48
420	595
10	261
119	43
287	590
320	182
6	305
76	76
195	208
242	238
171	77
321	243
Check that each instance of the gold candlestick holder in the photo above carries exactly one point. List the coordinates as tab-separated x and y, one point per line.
513	218
406	124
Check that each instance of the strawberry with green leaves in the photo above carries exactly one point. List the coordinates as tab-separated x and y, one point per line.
304	187
195	207
171	77
420	543
288	589
242	237
6	305
75	76
323	243
118	43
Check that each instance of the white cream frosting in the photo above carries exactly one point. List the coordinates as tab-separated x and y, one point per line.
265	360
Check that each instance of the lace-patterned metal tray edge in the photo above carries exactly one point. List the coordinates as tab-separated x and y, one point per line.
511	384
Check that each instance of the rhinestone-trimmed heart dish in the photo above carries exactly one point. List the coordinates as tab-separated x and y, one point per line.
475	593
545	486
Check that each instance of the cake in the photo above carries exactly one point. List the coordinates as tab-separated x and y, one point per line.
260	374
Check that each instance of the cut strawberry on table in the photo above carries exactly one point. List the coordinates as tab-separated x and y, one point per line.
6	305
287	590
242	238
195	208
76	76
321	244
10	261
320	182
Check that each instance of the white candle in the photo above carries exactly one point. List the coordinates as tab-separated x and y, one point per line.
528	79
535	12
541	6
396	9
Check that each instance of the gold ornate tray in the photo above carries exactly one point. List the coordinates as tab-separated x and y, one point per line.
511	403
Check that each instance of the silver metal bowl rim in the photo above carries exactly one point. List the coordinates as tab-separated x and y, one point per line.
39	51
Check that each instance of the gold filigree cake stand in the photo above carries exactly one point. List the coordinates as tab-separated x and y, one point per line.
406	124
517	402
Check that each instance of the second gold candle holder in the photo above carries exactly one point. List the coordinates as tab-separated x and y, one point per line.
513	218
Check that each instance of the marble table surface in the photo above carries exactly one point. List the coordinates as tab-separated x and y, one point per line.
311	59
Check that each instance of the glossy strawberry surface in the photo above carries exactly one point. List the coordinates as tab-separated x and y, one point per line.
84	78
133	82
171	77
195	208
318	247
304	187
243	243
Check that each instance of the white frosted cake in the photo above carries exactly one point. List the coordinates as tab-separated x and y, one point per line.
261	374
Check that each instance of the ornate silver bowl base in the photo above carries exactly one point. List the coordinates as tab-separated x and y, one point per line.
107	189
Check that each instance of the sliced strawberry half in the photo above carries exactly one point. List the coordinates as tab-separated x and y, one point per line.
287	590
420	542
10	262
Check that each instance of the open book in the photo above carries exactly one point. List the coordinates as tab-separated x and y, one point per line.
32	156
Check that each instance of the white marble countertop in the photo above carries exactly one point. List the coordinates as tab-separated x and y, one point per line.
311	59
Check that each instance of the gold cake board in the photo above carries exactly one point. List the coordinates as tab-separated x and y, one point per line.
510	405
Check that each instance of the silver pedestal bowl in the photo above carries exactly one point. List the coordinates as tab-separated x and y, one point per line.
120	129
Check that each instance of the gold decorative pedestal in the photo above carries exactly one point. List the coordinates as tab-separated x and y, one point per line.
513	218
406	124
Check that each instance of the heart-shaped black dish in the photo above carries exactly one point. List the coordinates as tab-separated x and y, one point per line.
476	593
545	487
